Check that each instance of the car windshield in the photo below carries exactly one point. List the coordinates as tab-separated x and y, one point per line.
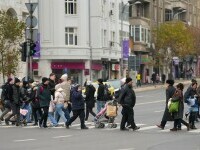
115	83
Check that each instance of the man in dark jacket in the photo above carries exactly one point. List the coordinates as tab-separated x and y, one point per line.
52	83
44	96
101	101
128	99
6	96
90	101
77	107
169	93
15	102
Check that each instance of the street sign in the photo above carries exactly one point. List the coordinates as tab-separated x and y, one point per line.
33	23
34	34
31	7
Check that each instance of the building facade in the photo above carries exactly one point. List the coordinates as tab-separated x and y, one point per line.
148	14
81	38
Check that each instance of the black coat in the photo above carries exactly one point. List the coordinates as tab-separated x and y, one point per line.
16	97
127	97
77	100
34	99
89	92
100	93
169	93
51	87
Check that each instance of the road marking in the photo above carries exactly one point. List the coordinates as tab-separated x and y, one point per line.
158	111
127	149
151	102
25	140
194	131
64	136
147	128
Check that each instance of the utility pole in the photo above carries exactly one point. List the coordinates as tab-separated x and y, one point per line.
31	23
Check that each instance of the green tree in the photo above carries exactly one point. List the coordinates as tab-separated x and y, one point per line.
11	33
172	39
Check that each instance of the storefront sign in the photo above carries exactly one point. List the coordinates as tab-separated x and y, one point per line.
115	67
68	65
145	59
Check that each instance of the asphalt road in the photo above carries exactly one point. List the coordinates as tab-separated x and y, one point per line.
148	113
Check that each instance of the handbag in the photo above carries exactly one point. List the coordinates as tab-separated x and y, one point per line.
173	105
111	111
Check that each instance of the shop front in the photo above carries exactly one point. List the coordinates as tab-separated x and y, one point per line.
73	69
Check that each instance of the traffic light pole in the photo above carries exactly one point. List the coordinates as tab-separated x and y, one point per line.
27	58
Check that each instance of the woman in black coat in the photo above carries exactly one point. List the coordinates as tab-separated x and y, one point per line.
169	93
90	101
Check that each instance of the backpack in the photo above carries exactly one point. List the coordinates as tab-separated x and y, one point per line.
4	92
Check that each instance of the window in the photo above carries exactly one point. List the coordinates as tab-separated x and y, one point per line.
137	33
112	38
71	36
140	34
70	7
105	38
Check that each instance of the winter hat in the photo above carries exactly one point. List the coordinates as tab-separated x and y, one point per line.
100	80
9	79
128	80
64	77
17	80
170	82
44	79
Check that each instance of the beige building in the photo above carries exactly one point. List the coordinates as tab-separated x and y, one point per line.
147	14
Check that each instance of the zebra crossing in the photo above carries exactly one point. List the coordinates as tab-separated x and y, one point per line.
143	128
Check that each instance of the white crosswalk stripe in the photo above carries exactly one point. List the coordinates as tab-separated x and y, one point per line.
91	125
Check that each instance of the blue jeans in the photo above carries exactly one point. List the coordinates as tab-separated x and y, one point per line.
52	119
28	115
59	111
100	105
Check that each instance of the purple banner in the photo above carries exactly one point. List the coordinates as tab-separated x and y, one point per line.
125	48
37	48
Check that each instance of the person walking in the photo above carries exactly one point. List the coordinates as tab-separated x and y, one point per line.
178	116
101	101
6	96
153	78
44	96
15	102
127	99
35	104
52	84
138	77
169	93
65	85
77	107
90	101
190	97
59	102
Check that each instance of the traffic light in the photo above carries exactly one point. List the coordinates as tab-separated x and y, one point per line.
32	48
23	51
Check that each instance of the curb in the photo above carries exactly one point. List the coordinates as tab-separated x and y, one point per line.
149	88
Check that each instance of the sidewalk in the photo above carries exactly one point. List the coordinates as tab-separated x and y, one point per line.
153	87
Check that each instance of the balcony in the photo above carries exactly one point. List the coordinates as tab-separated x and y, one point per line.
179	4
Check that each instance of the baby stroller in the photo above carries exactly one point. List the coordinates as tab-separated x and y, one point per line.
109	112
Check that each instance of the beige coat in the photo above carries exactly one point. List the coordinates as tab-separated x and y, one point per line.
66	89
59	96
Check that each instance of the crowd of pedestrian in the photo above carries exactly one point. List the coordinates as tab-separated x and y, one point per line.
34	102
